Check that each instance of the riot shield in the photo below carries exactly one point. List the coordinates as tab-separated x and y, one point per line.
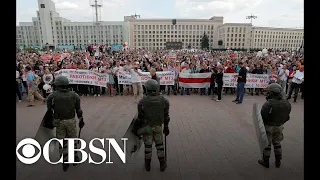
133	144
259	127
46	132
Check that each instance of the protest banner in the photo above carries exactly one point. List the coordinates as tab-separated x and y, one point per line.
202	80
85	77
56	56
253	80
194	80
65	55
45	57
166	77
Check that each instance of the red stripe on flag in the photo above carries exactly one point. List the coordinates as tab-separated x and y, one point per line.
194	80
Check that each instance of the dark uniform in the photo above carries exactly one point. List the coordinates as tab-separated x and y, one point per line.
275	112
153	111
65	104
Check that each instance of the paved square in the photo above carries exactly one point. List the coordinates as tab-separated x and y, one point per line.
208	140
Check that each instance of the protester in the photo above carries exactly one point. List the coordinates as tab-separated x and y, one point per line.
119	87
32	86
219	81
111	83
269	65
48	80
172	67
136	81
242	79
297	80
283	76
186	69
18	85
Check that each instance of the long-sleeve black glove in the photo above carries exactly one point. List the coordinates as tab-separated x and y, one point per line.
81	123
166	130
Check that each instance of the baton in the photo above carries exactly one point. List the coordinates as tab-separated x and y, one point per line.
165	148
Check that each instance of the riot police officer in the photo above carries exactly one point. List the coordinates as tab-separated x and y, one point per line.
153	111
275	112
65	103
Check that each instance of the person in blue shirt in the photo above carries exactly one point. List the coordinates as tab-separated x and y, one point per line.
32	87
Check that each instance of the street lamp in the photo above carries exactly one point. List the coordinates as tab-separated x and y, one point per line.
251	17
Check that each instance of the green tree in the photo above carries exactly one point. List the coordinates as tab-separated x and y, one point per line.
204	41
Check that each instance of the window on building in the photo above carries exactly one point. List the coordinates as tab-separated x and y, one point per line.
42	6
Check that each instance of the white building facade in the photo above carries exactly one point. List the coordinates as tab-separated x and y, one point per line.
49	28
277	38
154	33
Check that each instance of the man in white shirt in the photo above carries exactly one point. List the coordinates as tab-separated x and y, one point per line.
283	77
119	87
185	70
18	92
136	81
96	89
127	67
297	80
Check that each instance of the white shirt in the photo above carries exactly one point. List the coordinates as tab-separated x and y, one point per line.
24	77
285	75
120	68
96	69
47	78
135	78
17	74
186	70
298	75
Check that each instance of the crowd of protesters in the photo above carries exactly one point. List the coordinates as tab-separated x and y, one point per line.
283	67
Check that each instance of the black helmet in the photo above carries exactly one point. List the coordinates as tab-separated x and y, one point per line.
61	81
275	88
151	85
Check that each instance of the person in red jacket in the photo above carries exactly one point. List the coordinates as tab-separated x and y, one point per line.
230	69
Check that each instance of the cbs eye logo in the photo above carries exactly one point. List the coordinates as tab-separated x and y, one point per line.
28	151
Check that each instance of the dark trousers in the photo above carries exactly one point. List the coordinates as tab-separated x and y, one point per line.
162	88
294	87
119	87
202	91
96	90
44	93
74	87
231	90
18	90
219	91
24	83
187	90
240	91
301	89
173	87
83	89
211	89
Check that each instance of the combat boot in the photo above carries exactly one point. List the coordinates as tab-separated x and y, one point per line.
264	162
278	163
147	165
65	167
163	166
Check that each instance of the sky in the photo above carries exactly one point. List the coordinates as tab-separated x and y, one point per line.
270	13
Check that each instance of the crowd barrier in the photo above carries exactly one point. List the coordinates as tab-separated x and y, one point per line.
194	80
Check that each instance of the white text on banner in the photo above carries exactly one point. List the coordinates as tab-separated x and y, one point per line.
166	77
85	77
253	80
